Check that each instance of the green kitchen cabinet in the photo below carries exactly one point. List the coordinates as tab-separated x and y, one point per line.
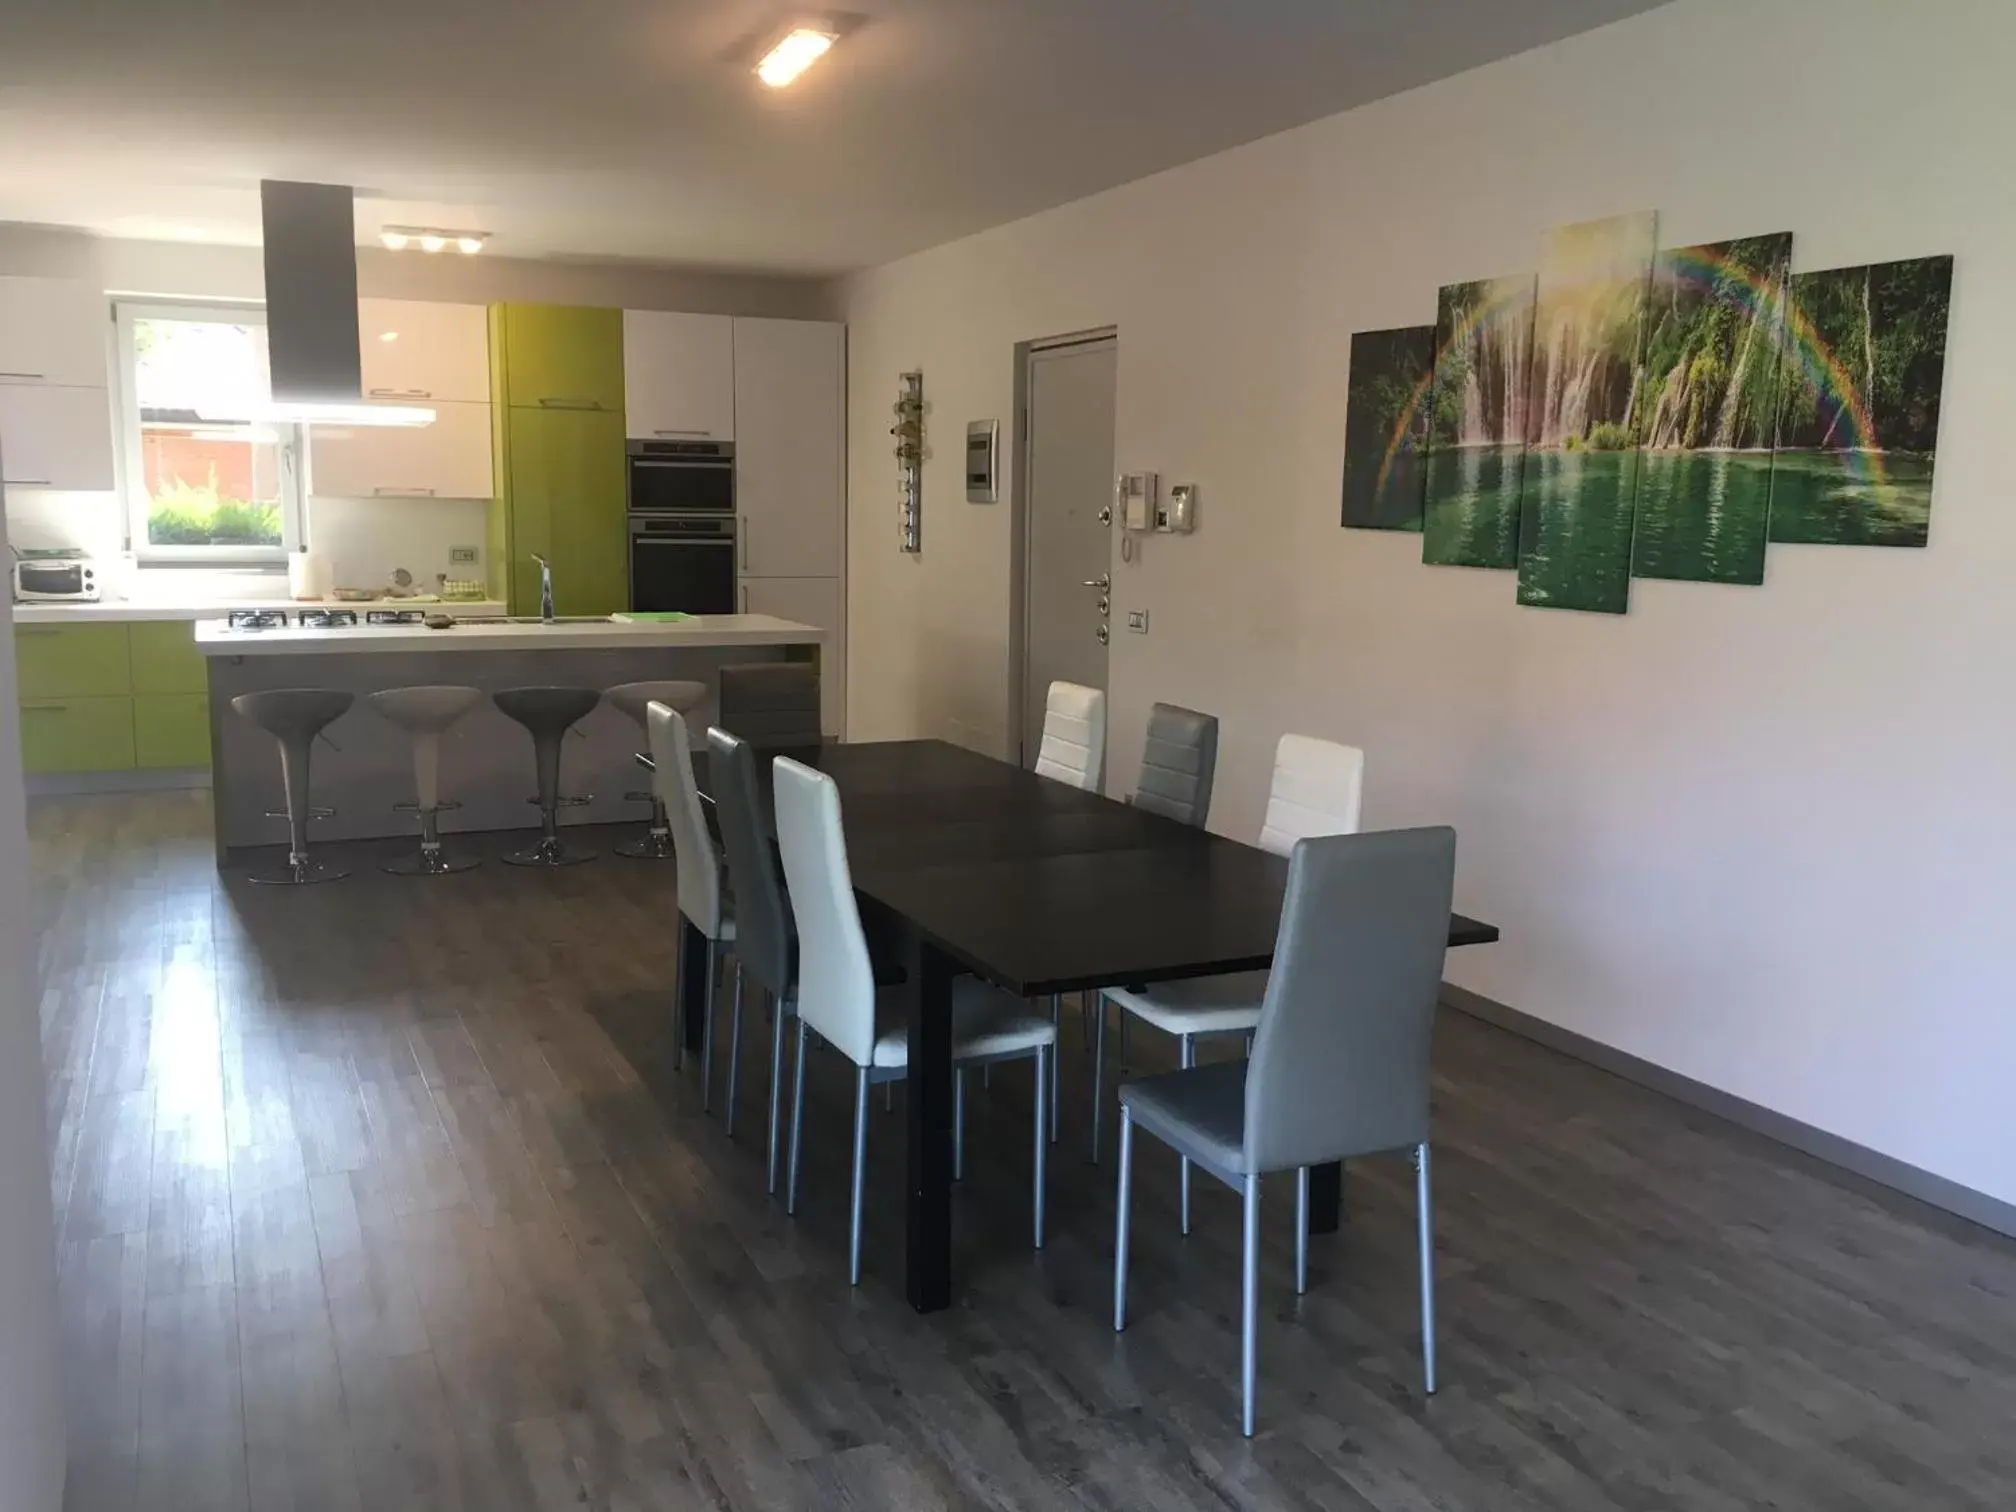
76	661
565	501
77	734
561	357
165	658
171	729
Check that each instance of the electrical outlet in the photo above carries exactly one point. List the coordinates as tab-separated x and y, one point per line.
462	555
1137	621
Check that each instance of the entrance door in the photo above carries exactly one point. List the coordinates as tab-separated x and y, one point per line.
1068	546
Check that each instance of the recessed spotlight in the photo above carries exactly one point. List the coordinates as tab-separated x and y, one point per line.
470	245
388	335
433	239
801	47
429	242
394	240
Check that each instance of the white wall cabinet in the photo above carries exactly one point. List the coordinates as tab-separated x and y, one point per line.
53	331
435	351
811	601
56	437
791	447
450	459
678	376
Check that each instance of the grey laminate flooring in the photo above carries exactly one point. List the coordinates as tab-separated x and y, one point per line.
385	1195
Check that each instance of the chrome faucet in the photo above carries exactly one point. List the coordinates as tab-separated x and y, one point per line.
545	589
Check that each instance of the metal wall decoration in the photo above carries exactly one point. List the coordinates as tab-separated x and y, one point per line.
909	433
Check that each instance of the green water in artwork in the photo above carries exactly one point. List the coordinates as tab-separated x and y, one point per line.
1575	537
1702	515
1471	516
1851	498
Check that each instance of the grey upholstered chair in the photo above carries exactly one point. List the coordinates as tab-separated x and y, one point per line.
1178	762
1340	1059
772	705
765	942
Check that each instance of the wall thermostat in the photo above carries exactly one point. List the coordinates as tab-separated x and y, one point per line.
982	451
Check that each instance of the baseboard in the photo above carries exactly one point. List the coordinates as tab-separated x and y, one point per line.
148	780
1857	1160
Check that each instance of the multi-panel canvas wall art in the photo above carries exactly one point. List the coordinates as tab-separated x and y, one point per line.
1706	408
1386	427
1859	421
1655	415
1477	422
1581	476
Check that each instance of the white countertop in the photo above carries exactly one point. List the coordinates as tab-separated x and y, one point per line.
214	637
123	611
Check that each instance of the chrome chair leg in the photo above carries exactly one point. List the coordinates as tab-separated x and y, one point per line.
1301	1230
1249	1307
889	1097
1123	1209
1188	1059
1426	1215
797	1123
679	995
1098	1070
776	1088
1057	1025
860	1175
1042	1144
734	1051
707	1029
958	1125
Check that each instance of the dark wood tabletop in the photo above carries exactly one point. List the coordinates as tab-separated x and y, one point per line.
967	865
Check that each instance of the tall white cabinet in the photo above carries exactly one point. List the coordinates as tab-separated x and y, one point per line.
55	403
790	385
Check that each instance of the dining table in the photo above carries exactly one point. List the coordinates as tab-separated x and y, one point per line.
967	865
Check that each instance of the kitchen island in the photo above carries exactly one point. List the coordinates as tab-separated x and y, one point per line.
364	768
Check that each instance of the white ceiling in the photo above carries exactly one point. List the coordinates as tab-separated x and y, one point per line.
619	129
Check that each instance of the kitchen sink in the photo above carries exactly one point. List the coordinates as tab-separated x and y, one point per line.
533	619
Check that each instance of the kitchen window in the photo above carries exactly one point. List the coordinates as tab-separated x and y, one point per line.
206	478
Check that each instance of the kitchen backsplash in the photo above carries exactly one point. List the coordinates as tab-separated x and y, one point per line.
365	540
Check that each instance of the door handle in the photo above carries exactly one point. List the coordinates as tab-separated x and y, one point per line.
1101	582
745	598
28	482
384	490
31	377
392	393
556	402
664	432
742	530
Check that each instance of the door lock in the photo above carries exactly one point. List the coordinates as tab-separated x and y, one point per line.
1105	604
1105	635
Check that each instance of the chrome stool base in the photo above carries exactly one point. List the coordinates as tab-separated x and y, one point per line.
549	851
300	872
426	863
653	845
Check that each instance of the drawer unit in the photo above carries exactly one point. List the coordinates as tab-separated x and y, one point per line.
80	734
171	730
73	661
165	658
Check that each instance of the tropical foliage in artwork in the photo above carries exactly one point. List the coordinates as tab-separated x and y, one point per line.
1386	427
1713	334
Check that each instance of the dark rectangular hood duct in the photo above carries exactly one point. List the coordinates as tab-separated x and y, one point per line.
311	307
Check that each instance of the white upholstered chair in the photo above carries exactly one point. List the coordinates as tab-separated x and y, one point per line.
1074	736
699	870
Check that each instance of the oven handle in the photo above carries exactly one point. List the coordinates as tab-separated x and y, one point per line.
696	464
648	540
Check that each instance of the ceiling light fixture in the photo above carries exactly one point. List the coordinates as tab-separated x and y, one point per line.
388	335
801	47
434	239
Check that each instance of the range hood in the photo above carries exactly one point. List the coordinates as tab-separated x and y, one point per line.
311	309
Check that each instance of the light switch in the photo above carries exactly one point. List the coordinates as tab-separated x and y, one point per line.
1137	621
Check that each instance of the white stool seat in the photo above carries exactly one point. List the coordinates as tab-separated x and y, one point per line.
634	699
426	713
425	710
986	1023
1227	1004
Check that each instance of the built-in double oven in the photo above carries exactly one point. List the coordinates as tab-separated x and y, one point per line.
682	526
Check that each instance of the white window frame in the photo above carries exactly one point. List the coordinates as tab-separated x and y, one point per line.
133	471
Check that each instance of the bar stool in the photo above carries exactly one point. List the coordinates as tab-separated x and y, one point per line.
633	700
548	714
426	713
294	717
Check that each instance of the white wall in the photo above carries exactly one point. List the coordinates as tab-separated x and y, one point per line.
1758	836
31	1388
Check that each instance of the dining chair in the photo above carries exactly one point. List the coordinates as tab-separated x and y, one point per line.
1073	748
697	875
836	990
1179	759
1317	789
772	705
1340	1058
764	943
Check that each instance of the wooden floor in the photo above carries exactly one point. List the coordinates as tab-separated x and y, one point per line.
385	1195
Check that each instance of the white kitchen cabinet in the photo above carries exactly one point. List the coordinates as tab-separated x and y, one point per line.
791	447
56	437
53	331
435	351
678	376
811	601
450	459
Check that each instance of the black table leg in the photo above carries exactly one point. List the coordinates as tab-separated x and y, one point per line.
1326	1198
693	985
928	1098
